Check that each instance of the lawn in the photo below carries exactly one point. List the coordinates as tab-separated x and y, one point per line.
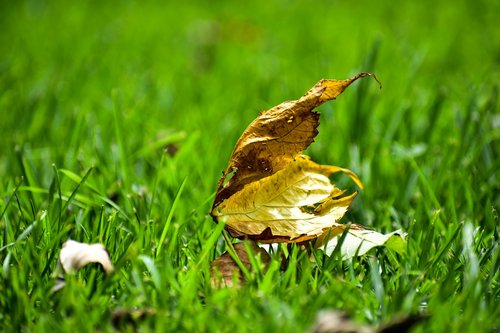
118	118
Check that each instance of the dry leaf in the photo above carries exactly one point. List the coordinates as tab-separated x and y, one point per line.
268	155
403	324
225	271
124	318
277	137
295	204
75	255
339	322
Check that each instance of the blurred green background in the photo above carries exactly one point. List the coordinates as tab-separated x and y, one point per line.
108	84
149	93
209	67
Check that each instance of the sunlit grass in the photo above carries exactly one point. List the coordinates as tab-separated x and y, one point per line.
116	121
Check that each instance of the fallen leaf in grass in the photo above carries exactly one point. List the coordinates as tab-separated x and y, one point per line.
75	255
268	155
403	324
359	240
121	318
276	137
225	271
295	204
339	322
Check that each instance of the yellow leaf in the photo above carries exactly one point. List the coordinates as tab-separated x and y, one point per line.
277	137
269	191
295	204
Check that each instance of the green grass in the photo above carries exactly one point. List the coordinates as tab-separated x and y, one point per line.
91	94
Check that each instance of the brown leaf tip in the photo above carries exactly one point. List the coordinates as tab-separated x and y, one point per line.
373	76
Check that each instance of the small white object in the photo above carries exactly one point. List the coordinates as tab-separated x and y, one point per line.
358	242
75	255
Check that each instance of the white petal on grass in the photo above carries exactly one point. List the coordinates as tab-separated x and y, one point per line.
75	255
358	242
